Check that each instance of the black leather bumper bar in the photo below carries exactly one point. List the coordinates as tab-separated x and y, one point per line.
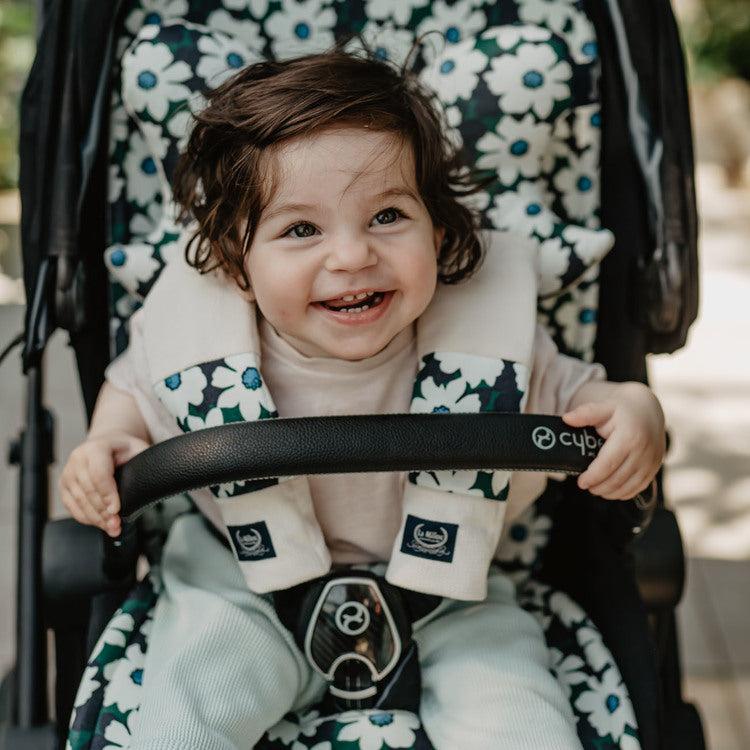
323	445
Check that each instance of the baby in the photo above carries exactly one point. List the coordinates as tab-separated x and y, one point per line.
328	224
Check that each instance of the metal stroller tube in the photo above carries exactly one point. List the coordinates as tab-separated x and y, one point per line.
322	445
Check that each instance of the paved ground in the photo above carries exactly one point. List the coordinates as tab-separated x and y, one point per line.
705	389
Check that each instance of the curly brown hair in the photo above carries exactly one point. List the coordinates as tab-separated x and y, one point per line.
224	179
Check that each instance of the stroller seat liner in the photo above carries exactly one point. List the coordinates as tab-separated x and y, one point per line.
109	696
518	81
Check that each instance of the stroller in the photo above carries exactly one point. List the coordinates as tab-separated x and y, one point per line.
97	228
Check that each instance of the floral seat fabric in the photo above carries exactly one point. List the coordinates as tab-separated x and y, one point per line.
109	695
518	80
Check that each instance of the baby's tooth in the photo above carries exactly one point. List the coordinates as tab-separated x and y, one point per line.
362	295
348	298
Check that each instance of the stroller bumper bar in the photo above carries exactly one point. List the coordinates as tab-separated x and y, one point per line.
323	445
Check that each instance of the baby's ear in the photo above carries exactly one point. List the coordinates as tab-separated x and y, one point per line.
245	292
439	233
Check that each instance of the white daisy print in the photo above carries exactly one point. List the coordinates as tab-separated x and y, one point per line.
508	37
566	610
453	120
597	655
115	183
629	742
555	15
213	418
179	391
144	222
247	32
89	685
445	399
221	57
569	669
118	734
132	265
578	182
143	183
515	148
180	123
125	677
591	245
554	260
523	209
385	41
300	28
152	12
531	78
257	7
242	387
288	731
157	142
607	708
395	729
449	24
465	482
152	78
454	74
399	11
119	627
587	125
524	539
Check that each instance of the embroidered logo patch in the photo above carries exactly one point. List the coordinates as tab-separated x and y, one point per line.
252	541
433	540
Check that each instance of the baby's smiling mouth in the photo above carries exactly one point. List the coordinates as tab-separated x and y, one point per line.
354	303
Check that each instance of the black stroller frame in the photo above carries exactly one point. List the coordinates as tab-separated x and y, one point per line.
647	200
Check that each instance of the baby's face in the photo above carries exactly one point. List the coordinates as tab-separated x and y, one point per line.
345	254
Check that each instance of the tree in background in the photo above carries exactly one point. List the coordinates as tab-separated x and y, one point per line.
719	37
17	48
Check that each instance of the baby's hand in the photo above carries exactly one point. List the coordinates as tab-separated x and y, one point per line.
87	482
631	421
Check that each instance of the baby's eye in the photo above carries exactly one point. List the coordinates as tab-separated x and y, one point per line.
303	229
387	216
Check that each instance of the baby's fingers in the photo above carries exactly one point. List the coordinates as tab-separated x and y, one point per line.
606	464
593	414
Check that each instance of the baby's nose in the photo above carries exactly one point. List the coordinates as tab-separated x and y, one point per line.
350	253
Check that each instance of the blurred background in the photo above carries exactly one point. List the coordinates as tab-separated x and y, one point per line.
705	387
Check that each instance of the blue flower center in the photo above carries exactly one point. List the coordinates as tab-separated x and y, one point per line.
596	120
137	676
151	18
447	66
441	410
587	315
519	148
589	49
148	166
302	30
173	382
381	720
533	209
118	258
612	703
234	60
381	53
452	34
251	379
147	80
584	183
518	532
533	79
